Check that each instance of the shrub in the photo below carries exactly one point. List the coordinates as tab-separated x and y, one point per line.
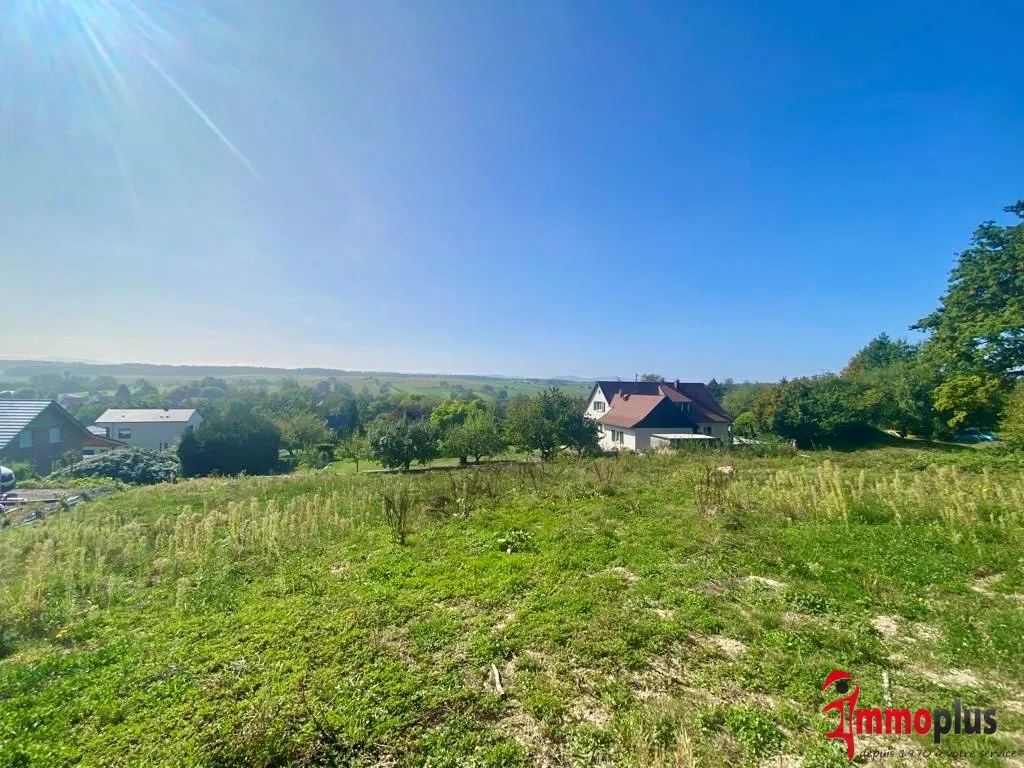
23	470
128	465
230	445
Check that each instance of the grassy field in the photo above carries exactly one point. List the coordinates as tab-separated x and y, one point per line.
636	614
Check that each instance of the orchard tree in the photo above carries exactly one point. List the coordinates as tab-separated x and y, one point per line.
477	437
302	431
355	448
548	421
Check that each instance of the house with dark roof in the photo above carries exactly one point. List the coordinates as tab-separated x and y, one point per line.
42	432
637	415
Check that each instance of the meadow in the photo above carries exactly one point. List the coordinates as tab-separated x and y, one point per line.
636	611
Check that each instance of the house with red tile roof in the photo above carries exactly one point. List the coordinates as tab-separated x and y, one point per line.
637	415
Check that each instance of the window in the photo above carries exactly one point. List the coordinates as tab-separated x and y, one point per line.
707	430
617	436
598	405
164	446
124	434
25	439
55	435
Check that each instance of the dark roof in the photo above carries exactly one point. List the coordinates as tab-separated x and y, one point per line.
706	407
636	411
15	415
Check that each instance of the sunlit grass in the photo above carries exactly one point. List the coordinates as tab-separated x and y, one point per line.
262	621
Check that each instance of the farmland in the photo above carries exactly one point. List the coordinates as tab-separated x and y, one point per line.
584	612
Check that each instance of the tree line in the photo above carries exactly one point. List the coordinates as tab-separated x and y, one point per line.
967	372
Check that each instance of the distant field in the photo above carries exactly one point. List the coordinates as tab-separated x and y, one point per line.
168	377
634	615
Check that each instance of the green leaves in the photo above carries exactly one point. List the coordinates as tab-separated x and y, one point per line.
979	325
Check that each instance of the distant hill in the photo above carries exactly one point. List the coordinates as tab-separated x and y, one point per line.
25	369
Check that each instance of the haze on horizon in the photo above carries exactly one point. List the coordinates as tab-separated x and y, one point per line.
694	188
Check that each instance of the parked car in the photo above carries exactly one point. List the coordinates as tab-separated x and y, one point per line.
7	480
975	436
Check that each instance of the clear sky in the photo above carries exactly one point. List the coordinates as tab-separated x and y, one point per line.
714	188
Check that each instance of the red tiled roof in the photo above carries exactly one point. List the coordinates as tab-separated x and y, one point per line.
658	411
704	406
627	412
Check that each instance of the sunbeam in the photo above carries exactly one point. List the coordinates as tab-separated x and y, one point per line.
61	57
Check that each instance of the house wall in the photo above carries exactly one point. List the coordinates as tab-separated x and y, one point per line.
43	454
721	431
153	435
596	412
604	439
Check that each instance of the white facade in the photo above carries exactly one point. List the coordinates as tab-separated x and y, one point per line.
639	439
155	429
598	406
633	439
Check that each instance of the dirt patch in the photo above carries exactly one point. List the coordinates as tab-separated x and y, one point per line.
663	613
523	727
734	649
887	626
590	710
625	573
795	618
502	624
983	586
764	581
954	678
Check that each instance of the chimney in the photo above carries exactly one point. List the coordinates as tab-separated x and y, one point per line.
677	385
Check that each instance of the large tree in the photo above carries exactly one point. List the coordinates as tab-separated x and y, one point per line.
976	336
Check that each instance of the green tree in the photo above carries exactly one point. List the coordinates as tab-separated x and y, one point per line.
448	416
548	421
811	410
477	437
652	377
398	443
898	384
976	336
302	431
355	448
979	324
880	353
739	398
238	441
1012	425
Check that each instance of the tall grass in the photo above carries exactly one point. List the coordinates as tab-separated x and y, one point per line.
98	554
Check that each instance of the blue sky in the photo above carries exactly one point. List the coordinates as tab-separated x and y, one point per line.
745	189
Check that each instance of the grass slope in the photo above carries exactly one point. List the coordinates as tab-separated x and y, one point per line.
635	616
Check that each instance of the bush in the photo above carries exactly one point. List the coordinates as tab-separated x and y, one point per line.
23	470
231	445
128	465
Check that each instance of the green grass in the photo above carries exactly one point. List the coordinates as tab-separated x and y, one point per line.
274	621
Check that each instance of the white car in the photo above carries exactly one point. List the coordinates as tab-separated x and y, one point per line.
6	480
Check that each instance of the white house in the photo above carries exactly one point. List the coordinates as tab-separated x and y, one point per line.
155	428
630	414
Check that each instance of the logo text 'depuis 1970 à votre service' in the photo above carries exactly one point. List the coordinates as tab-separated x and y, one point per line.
938	722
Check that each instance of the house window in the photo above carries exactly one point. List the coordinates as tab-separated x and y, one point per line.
25	439
124	434
617	436
598	405
164	446
707	430
55	435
